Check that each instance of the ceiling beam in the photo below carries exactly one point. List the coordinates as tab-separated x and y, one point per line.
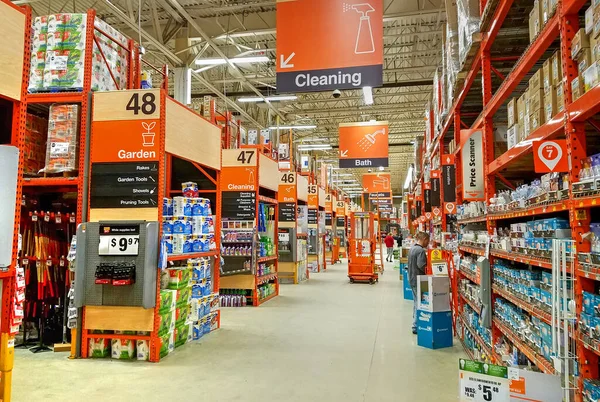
212	44
175	59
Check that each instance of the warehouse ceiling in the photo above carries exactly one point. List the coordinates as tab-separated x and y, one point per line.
228	28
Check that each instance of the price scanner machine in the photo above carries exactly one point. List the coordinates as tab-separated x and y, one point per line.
117	264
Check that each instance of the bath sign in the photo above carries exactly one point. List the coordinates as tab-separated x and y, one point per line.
364	145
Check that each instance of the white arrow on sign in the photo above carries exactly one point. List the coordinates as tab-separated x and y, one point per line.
344	153
285	63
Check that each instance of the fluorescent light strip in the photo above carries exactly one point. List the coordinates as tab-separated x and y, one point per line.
368	95
316	148
269	98
234	60
305	127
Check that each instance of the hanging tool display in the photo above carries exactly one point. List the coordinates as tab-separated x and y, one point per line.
45	240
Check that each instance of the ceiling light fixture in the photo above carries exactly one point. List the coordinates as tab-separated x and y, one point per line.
368	95
305	127
234	60
315	148
269	98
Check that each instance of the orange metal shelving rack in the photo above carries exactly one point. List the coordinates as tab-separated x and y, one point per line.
561	26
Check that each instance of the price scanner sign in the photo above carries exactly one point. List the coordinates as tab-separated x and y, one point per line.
119	240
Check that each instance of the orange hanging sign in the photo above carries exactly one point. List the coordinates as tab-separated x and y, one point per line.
364	145
287	187
340	208
327	45
377	183
313	196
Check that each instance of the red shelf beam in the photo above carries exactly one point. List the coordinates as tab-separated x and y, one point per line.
532	355
50	181
549	129
472	277
182	257
482	218
525	259
469	302
542	315
586	202
53	97
546	209
269	258
472	250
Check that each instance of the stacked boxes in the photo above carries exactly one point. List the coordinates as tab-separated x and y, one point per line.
188	225
536	101
512	135
61	147
589	320
34	149
58	55
65	52
540	14
535	237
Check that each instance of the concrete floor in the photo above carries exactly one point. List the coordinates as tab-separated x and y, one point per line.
324	340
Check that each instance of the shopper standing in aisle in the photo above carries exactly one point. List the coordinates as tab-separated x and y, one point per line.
417	265
389	243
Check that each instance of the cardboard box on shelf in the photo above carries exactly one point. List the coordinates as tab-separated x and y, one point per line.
589	20
536	80
548	73
576	87
536	100
560	98
581	40
513	112
585	59
521	107
537	119
535	20
596	7
590	77
556	68
513	136
526	126
550	104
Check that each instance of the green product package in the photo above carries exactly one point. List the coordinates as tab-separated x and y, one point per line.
182	314
179	278
166	322
167	300
182	334
167	344
183	297
98	348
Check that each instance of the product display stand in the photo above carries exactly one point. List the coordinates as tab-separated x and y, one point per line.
165	146
340	228
250	183
293	191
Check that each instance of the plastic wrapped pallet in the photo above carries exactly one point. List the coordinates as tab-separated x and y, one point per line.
39	35
65	52
34	146
468	24
437	101
116	58
452	64
63	130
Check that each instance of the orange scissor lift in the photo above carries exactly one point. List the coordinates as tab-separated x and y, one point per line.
361	256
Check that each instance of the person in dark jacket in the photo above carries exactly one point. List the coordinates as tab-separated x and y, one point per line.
417	265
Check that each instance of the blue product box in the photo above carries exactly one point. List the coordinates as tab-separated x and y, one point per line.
407	291
585	322
547	278
596	305
531	226
546	332
167	206
595	328
434	330
589	302
556	223
546	297
546	349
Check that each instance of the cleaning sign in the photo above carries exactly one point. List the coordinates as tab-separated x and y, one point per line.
327	45
364	144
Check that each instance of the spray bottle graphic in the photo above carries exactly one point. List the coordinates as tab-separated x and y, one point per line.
364	37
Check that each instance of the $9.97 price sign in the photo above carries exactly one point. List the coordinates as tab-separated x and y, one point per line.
483	382
119	240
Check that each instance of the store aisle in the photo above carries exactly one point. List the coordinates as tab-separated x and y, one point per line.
325	340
